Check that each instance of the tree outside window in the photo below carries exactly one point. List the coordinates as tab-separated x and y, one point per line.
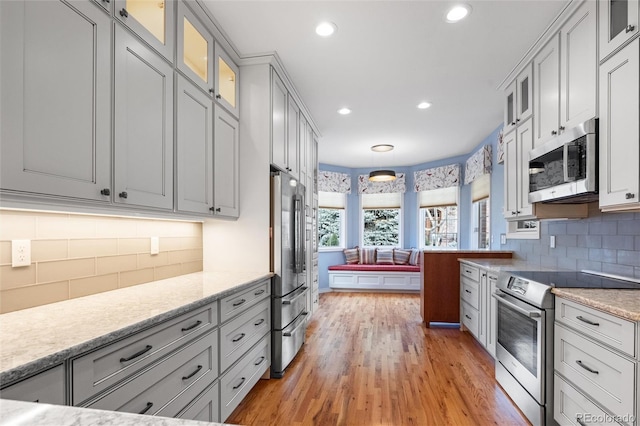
440	226
330	224
381	227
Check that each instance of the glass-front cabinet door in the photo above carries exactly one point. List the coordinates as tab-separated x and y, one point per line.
195	49
226	79
618	24
153	20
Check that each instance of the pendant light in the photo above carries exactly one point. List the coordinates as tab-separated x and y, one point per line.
382	175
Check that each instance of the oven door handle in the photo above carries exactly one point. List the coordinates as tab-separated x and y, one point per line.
501	298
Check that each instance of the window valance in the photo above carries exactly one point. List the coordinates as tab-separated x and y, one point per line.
365	186
438	177
334	182
478	164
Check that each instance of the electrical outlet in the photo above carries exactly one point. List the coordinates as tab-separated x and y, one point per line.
20	253
503	239
155	245
552	241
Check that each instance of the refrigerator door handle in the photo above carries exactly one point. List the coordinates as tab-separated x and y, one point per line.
297	236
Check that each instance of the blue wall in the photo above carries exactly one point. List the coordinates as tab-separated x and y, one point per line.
410	218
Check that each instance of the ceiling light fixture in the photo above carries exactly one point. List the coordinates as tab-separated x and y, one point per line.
344	111
382	175
458	12
424	105
325	29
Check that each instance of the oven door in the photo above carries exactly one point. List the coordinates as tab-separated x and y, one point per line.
521	343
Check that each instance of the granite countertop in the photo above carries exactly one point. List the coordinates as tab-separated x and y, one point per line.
622	303
18	413
498	265
36	338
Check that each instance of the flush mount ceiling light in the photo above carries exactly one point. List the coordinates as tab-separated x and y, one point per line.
382	148
423	105
458	12
325	29
382	175
344	111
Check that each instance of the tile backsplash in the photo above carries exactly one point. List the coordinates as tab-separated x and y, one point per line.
77	255
604	242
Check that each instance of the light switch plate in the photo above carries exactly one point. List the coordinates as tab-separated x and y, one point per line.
155	245
552	241
20	253
503	239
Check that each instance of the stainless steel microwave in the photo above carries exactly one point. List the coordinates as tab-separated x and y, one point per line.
565	169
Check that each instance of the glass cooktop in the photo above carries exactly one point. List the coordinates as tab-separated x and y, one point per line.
576	279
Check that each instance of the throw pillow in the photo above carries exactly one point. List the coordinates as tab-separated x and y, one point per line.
351	255
367	256
384	256
415	257
401	257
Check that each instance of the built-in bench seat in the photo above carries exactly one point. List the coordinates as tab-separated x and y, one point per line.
375	277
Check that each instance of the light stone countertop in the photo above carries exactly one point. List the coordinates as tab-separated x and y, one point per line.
18	413
623	303
36	338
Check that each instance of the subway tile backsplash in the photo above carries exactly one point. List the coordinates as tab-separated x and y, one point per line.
605	242
78	255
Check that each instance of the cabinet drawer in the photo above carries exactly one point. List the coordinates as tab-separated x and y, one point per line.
570	406
470	272
98	370
46	387
616	332
206	408
599	372
239	380
161	389
242	332
470	292
238	302
470	318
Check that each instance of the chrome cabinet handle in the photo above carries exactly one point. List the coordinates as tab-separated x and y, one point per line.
237	339
590	370
630	28
147	408
581	318
191	327
192	374
137	354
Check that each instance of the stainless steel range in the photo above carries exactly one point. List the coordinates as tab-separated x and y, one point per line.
524	351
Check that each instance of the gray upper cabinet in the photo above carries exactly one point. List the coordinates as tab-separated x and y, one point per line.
546	89
153	21
56	114
143	125
227	164
619	20
293	135
278	122
517	100
226	79
194	151
194	49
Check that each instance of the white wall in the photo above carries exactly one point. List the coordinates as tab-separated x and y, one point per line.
244	244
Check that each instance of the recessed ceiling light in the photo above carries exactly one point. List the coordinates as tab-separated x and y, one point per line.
382	148
325	29
344	111
424	105
458	13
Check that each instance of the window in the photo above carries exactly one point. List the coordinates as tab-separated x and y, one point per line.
331	220
439	218
382	219
481	237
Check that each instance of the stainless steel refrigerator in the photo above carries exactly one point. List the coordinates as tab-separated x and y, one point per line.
289	290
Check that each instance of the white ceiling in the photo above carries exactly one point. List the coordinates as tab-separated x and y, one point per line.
385	58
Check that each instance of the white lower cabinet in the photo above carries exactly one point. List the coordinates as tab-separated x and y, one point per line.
47	387
596	379
478	309
206	406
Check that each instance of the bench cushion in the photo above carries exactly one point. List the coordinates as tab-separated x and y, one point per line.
376	268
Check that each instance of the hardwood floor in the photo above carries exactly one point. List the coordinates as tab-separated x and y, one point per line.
368	360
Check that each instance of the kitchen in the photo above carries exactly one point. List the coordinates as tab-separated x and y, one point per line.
77	255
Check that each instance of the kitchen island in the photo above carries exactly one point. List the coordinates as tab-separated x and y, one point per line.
60	334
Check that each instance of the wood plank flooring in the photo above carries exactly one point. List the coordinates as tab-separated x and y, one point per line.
368	360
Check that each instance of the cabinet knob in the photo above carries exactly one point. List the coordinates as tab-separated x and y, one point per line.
106	191
553	132
211	90
513	123
124	13
218	97
514	213
629	195
630	28
517	120
213	209
106	1
561	128
123	194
